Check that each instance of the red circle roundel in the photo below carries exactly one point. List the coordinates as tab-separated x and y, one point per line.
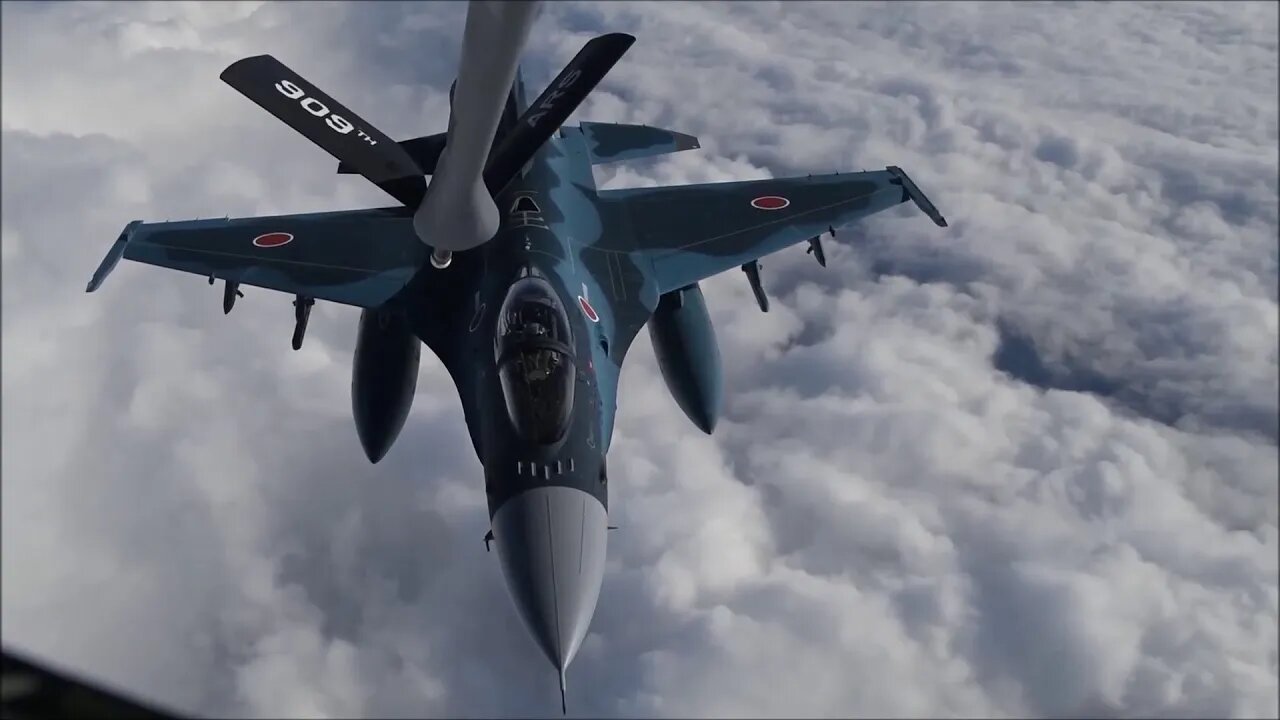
770	202
587	310
273	239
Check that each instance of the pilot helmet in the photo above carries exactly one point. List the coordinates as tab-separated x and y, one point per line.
534	349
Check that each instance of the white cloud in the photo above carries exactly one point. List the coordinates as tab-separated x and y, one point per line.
1026	465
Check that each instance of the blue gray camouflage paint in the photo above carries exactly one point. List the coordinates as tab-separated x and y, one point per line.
612	142
609	258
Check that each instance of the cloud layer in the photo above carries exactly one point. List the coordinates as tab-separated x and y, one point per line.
1026	465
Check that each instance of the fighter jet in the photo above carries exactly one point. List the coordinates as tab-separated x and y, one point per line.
526	281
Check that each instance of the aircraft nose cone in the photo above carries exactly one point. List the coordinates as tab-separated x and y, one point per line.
551	543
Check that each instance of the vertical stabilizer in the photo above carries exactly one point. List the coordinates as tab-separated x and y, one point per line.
549	111
511	112
518	93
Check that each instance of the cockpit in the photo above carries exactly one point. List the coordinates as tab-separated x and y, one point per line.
534	349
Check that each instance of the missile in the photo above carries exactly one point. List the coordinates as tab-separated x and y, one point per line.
301	313
815	249
229	295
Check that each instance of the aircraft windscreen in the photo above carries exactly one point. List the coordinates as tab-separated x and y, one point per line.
535	361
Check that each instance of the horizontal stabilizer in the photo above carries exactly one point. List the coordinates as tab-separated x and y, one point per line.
424	151
323	120
554	106
612	142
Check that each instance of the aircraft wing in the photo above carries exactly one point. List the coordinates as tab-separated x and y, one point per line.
355	257
691	232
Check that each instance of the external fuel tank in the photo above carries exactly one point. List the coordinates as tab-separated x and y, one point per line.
384	376
685	344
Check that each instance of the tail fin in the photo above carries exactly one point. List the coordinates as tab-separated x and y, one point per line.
425	151
511	113
519	96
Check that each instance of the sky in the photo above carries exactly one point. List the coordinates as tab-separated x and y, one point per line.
1023	466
